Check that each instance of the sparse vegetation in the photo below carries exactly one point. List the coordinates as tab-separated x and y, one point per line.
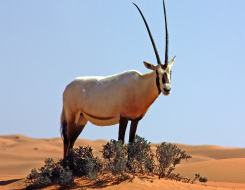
119	162
82	162
140	156
114	154
168	156
45	175
200	178
197	176
203	179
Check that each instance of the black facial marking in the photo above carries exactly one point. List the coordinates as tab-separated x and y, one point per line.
157	82
165	78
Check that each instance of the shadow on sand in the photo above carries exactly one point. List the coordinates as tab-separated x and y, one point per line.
9	181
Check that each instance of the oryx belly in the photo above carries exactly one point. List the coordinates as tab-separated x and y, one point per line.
101	121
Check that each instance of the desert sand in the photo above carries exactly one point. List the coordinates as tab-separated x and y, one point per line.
224	167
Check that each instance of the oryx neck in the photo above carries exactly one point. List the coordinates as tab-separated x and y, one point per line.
153	82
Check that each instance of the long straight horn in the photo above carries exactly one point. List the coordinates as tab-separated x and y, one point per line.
149	32
166	28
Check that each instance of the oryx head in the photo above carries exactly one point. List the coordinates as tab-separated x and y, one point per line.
163	71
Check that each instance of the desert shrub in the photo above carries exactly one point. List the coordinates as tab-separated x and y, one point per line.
203	179
78	162
44	176
37	181
197	176
82	162
140	156
168	156
66	178
200	178
115	160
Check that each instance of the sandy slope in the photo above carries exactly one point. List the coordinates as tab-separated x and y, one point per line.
224	167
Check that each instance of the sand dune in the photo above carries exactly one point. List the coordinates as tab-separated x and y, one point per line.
224	167
225	170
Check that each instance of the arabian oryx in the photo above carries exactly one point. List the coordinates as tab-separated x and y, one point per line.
114	99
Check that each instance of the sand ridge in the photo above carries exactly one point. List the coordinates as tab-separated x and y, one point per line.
224	167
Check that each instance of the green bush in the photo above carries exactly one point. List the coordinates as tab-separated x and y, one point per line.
82	162
115	160
45	175
168	156
79	162
140	156
203	179
66	178
200	178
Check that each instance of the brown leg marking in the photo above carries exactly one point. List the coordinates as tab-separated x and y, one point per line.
122	128
133	128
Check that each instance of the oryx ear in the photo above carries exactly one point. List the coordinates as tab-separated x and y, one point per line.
170	63
149	65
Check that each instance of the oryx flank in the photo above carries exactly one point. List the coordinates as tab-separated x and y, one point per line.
114	99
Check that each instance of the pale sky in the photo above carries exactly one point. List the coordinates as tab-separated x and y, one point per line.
44	45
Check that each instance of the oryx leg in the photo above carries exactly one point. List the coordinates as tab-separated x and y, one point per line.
122	128
133	128
77	130
74	128
68	134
